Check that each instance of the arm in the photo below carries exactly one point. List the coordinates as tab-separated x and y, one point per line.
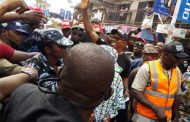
19	56
125	75
10	5
155	36
141	99
126	88
130	34
87	24
30	16
11	16
175	108
138	86
8	68
132	77
10	83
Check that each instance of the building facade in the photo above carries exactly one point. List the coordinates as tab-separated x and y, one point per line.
122	11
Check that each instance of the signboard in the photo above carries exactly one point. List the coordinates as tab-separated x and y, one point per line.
165	7
184	11
109	27
98	15
181	33
46	13
168	29
161	7
162	28
147	22
62	14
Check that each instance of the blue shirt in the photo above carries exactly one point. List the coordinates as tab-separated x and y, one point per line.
45	70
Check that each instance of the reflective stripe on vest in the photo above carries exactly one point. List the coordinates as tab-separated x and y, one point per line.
161	91
178	78
155	76
158	94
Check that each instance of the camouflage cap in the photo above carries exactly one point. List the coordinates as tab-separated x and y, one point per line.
51	35
150	49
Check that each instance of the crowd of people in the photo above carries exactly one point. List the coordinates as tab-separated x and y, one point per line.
55	72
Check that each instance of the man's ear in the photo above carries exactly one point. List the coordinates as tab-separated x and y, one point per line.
47	50
2	32
108	94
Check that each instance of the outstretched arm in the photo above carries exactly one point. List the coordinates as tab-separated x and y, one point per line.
10	83
19	56
87	24
10	5
153	32
30	16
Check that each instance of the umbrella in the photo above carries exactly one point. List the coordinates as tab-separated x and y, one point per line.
145	34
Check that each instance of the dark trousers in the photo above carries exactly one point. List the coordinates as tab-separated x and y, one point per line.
122	115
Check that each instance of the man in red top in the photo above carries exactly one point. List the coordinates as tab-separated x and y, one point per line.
6	51
12	55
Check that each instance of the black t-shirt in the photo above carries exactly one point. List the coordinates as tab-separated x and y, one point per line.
85	38
124	63
29	104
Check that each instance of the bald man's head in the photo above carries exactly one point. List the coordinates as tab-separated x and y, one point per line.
88	72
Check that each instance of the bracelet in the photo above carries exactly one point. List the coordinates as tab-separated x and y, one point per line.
28	72
126	89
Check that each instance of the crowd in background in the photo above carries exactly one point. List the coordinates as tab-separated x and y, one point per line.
53	71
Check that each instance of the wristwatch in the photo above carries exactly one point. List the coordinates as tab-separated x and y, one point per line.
28	72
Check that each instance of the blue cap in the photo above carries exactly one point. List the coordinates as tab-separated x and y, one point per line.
121	33
14	25
176	48
51	35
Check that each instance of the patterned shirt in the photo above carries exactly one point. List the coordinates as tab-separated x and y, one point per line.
115	102
184	108
45	70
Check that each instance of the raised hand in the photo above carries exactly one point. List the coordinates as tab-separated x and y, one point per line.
33	16
84	4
